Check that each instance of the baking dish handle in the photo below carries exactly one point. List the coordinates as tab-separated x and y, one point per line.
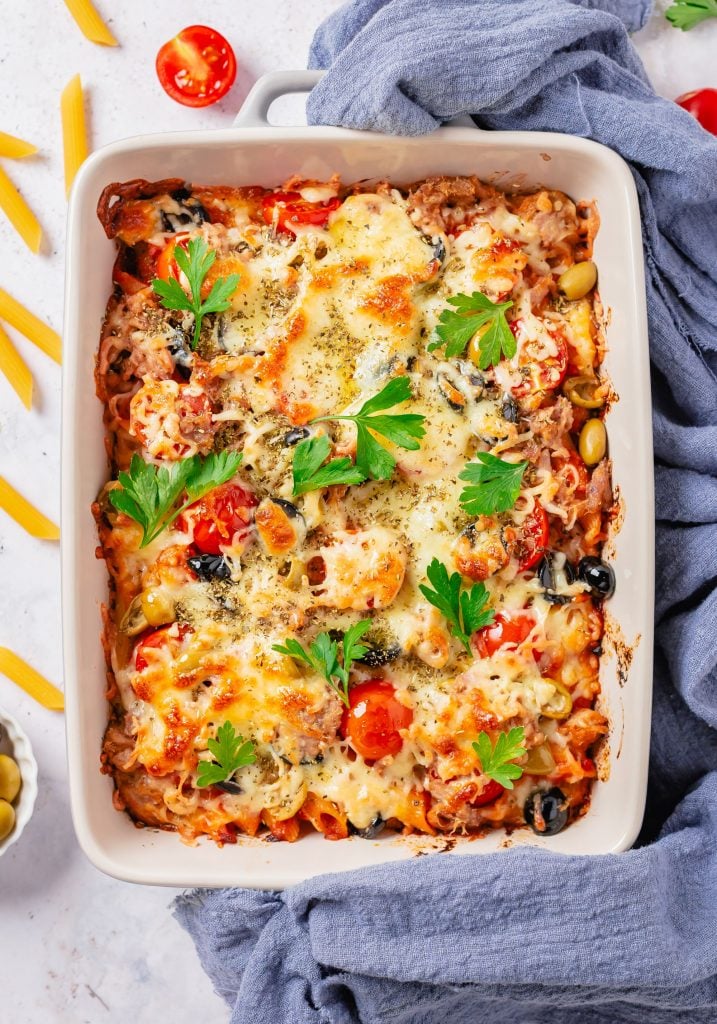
255	108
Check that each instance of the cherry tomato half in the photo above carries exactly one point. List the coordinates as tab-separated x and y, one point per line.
507	629
373	719
702	104
291	211
197	67
491	792
533	540
166	264
218	516
158	638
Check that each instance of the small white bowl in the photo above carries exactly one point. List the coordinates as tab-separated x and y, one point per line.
14	742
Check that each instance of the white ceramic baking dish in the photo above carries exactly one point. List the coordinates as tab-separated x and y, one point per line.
255	152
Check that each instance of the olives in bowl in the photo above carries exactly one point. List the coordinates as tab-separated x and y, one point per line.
18	781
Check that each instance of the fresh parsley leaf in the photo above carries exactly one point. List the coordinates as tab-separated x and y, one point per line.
495	484
496	760
148	494
309	473
323	656
466	611
685	14
457	326
195	262
231	752
403	429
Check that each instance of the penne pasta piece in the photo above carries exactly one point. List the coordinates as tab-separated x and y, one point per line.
17	373
34	329
20	509
74	130
15	148
19	214
30	680
90	23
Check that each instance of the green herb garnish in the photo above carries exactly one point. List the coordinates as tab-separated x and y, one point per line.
403	429
685	14
496	761
195	263
456	327
466	611
148	494
495	484
323	656
309	473
231	752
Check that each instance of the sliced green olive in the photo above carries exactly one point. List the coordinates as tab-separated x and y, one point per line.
560	704
540	761
9	778
587	392
158	606
7	819
593	442
578	280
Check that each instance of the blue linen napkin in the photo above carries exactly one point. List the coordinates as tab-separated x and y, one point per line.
524	937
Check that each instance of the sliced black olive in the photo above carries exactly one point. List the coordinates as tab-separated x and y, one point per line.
455	398
181	354
295	435
228	787
371	830
376	655
546	811
509	409
598	575
209	567
192	212
549	576
291	510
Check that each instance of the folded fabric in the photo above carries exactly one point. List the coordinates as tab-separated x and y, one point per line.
525	936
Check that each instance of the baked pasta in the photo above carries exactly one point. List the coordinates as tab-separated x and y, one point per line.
358	496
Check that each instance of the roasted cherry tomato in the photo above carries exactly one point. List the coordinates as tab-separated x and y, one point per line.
373	719
290	210
224	512
491	792
158	638
532	542
508	629
197	67
702	104
166	266
543	370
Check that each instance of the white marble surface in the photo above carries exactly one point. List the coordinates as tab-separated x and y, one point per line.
76	946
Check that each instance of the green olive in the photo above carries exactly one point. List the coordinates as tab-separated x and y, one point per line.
158	606
7	819
593	442
561	703
9	778
578	280
587	392
540	761
474	352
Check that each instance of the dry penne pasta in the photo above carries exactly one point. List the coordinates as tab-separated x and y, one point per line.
30	518
19	213
90	23
34	329
15	148
30	680
17	373
74	131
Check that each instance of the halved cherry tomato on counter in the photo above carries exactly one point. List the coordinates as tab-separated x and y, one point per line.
507	629
158	638
291	211
217	517
373	719
197	67
491	792
533	539
702	104
166	264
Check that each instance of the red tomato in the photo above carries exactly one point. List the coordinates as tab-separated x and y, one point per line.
157	638
292	210
582	702
491	792
702	104
508	629
218	516
197	67
533	540
166	263
545	372
373	719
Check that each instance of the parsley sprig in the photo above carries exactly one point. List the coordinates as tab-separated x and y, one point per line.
496	761
309	473
457	326
465	610
148	494
494	484
195	262
231	752
323	655
685	14
403	429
